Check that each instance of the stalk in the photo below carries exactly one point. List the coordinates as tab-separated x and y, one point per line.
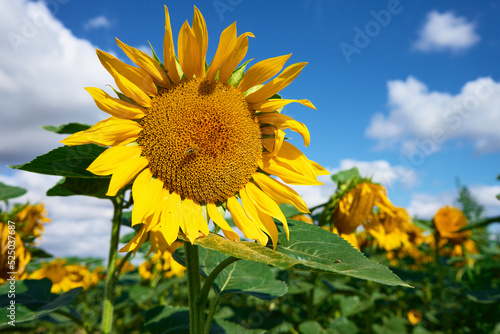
196	312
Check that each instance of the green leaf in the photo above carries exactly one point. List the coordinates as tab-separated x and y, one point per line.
237	75
8	192
310	248
247	277
69	161
289	210
346	175
484	296
351	305
33	300
391	326
68	128
127	218
69	186
310	327
343	325
481	223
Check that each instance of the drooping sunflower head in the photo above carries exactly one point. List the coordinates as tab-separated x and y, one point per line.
8	238
194	140
356	206
64	276
448	222
31	220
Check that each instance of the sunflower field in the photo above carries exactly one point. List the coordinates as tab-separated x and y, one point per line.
194	157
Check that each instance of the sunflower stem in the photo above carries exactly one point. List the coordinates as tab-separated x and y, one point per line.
111	277
196	311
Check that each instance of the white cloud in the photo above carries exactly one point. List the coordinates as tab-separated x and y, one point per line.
97	22
446	32
381	172
421	119
425	206
43	71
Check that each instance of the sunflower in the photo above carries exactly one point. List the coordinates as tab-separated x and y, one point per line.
162	262
10	249
388	229
414	316
31	219
448	222
65	277
196	140
355	207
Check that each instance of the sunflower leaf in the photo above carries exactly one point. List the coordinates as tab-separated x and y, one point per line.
68	128
310	248
69	161
70	186
238	74
8	192
247	277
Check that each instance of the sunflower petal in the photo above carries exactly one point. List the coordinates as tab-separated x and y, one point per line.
169	52
190	219
107	162
145	62
244	223
277	84
147	193
109	132
273	145
234	57
318	169
200	31
261	72
171	222
280	192
132	81
136	241
114	106
271	105
290	165
188	51
285	122
227	42
125	173
221	222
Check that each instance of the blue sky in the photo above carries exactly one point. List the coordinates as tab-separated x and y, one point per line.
408	91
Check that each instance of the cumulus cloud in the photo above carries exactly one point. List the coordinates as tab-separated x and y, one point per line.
425	206
97	22
445	31
422	119
43	70
381	172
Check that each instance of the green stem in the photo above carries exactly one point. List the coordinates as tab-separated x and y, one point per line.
196	312
213	307
109	292
72	317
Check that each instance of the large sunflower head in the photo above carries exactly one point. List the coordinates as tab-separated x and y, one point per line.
195	140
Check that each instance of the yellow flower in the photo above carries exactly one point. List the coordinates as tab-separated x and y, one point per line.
65	277
414	316
14	257
127	266
388	228
31	219
350	238
162	262
356	206
193	139
448	221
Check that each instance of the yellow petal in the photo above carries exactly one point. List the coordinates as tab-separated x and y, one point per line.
147	192
221	222
171	222
267	206
227	42
188	51
109	132
107	162
134	82
290	165
318	169
273	145
271	105
169	52
234	57
261	72
280	192
245	224
136	241
192	220
114	106
277	84
125	173
200	31
285	122
145	62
